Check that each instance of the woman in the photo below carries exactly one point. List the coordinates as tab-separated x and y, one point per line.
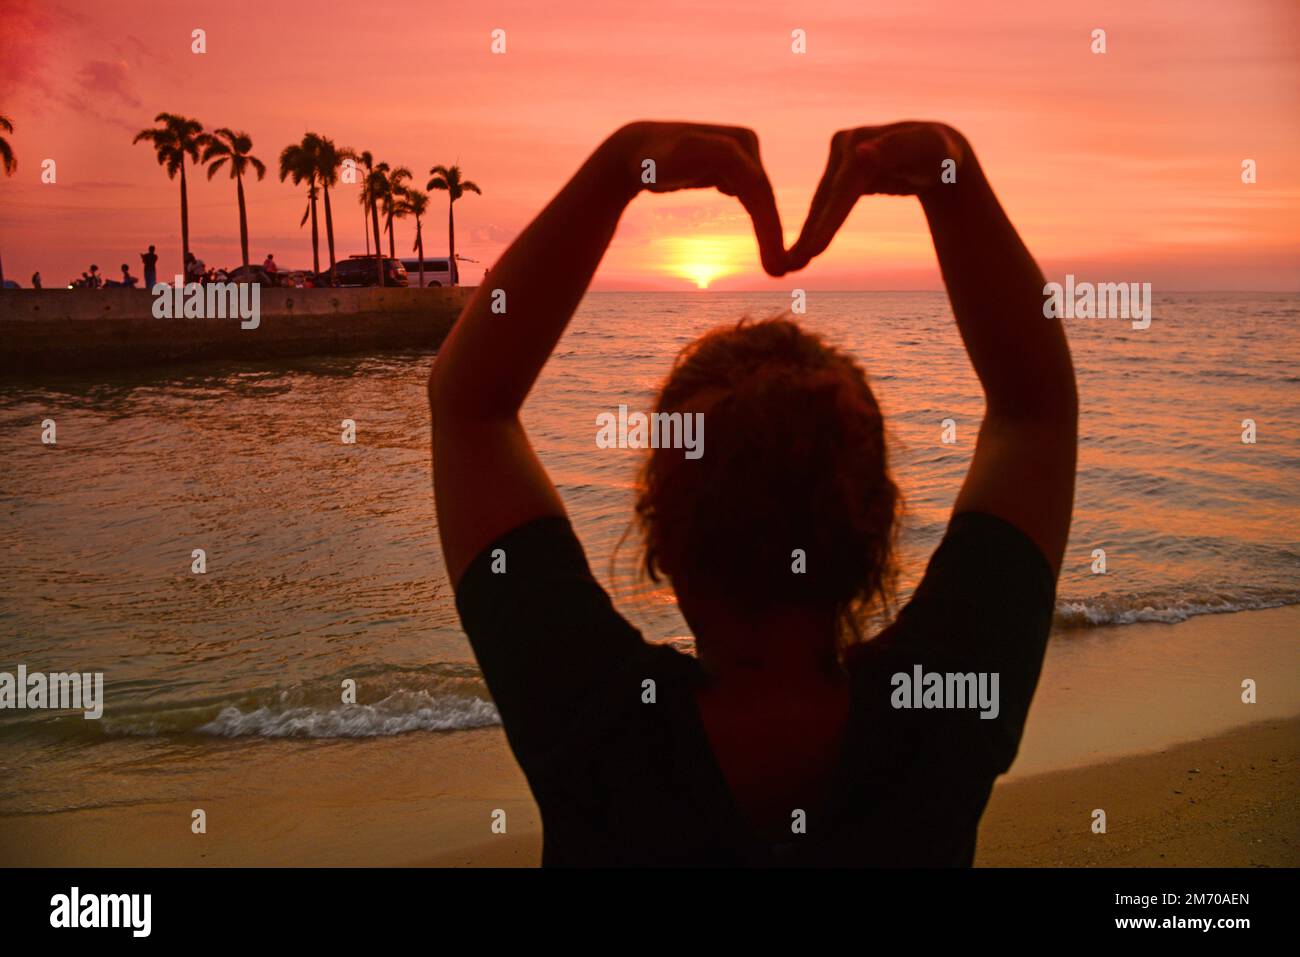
787	740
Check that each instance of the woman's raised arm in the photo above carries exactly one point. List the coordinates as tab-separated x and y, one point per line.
486	477
1024	461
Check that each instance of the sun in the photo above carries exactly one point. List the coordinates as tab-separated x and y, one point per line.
701	274
703	259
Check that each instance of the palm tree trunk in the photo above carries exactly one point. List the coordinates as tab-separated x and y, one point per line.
392	244
315	234
185	223
451	242
419	245
329	233
243	219
379	255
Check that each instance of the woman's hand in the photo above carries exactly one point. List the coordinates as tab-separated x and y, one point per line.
704	156
899	159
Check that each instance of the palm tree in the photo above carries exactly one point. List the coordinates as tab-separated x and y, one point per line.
10	165
177	138
366	161
394	187
299	161
7	151
415	203
328	160
448	178
374	185
224	146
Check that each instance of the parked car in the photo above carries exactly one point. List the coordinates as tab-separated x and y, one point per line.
360	271
298	278
252	274
437	271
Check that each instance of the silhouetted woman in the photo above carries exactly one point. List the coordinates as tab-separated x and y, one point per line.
789	739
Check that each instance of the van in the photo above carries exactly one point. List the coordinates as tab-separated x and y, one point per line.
359	270
437	271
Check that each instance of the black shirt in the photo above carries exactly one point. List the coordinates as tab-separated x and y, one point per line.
624	782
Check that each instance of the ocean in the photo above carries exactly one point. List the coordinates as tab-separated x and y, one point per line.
323	562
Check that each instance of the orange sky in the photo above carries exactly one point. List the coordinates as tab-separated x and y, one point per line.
1124	166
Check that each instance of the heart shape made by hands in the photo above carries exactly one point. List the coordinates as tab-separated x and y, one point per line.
900	159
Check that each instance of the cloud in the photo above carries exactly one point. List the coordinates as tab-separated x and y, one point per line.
40	43
108	78
489	233
31	31
97	184
136	50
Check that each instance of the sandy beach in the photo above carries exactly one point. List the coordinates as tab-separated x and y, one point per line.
1229	800
1226	795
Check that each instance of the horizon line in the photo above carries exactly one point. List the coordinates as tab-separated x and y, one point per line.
704	292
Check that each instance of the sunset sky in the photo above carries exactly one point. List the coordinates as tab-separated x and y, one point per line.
1122	166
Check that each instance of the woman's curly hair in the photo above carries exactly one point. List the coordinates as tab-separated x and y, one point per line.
794	463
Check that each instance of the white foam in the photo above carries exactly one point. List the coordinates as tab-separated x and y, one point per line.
396	714
1082	614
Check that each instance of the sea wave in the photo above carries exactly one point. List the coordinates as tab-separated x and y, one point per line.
388	701
392	701
1107	610
396	714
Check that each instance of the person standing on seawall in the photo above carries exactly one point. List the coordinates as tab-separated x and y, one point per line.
150	261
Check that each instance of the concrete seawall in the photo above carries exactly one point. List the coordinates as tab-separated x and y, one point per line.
81	330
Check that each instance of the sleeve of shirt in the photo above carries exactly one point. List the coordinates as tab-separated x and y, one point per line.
985	606
546	635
